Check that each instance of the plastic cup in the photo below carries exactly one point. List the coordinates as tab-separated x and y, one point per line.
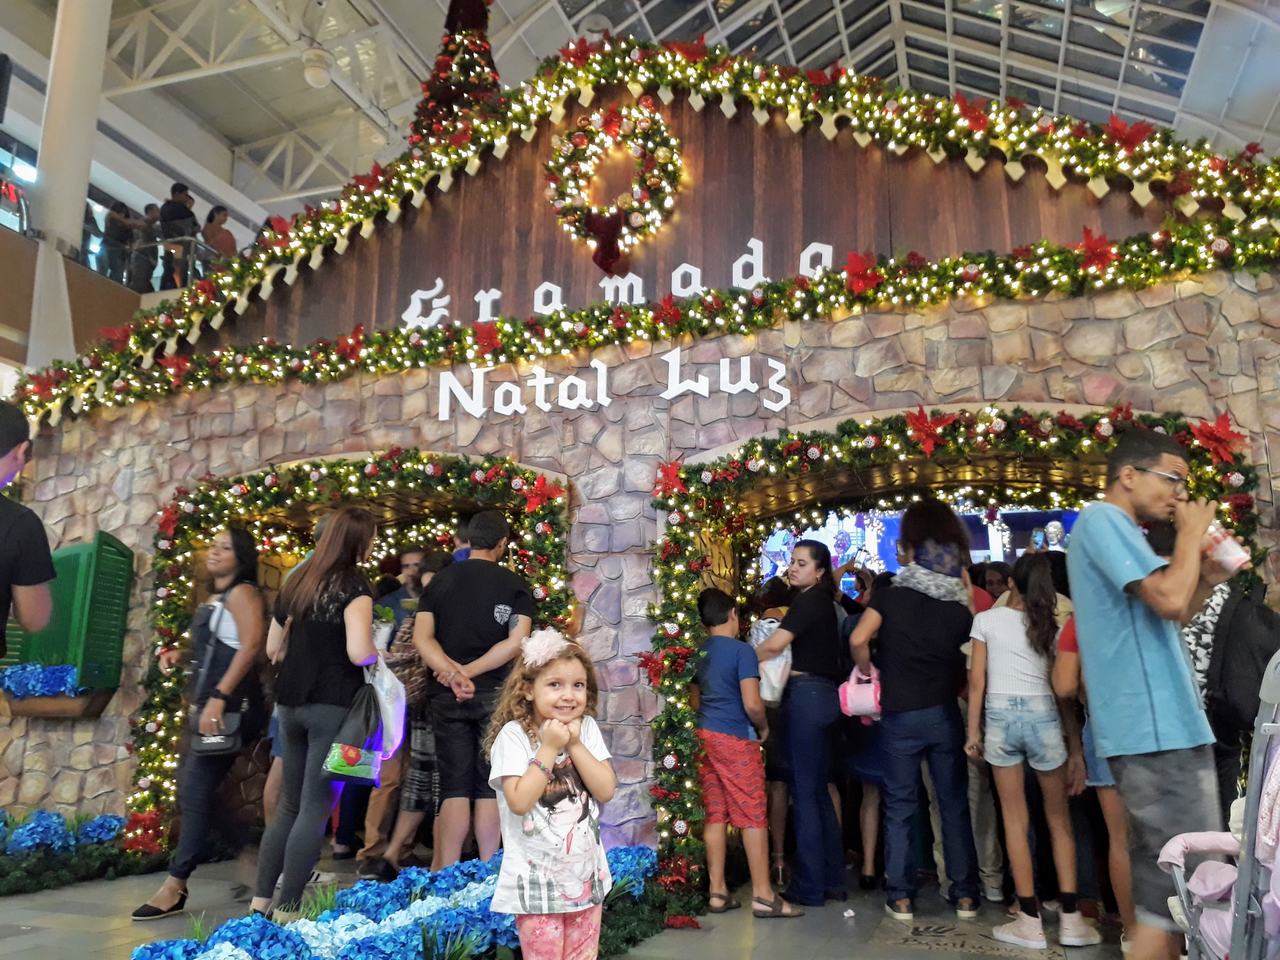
1224	550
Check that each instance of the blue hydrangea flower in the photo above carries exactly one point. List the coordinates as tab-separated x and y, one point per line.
262	939
36	680
101	829
43	829
402	944
169	950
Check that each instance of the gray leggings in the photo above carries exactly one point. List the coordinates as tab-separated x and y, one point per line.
294	837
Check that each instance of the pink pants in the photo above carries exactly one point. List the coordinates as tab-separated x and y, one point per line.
560	936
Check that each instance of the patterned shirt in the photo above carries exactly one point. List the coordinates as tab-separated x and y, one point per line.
1197	635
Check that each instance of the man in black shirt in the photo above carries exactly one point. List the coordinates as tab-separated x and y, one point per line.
177	221
470	623
26	566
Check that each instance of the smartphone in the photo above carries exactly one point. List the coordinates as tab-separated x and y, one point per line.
1038	538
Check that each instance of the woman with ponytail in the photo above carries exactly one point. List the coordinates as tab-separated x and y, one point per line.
1010	689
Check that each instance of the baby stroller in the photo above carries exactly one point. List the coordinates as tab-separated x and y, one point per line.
1230	910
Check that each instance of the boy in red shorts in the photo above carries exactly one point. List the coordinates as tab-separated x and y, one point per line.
732	770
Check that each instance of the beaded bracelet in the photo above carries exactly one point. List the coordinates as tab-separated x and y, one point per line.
546	771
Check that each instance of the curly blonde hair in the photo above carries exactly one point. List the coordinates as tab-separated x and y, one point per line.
515	702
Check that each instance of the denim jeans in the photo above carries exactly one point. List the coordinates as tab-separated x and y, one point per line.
934	735
811	708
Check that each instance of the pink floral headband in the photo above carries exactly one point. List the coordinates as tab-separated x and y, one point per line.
543	646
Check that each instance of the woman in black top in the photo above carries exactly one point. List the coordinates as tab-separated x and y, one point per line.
810	710
226	637
920	624
322	627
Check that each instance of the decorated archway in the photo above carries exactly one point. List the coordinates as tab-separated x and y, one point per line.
994	455
278	505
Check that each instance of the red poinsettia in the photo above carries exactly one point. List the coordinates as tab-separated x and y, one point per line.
693	52
349	345
860	273
678	921
370	181
668	479
487	339
577	53
168	522
667	314
926	430
177	367
1219	439
144	832
205	289
280	227
1098	251
1240	504
974	112
41	385
541	492
1130	136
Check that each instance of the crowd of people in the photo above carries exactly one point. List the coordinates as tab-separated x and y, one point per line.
167	234
982	672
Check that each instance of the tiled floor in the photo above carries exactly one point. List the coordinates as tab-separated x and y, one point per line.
91	922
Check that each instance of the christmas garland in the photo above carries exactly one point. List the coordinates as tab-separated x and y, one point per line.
614	228
456	132
703	503
535	504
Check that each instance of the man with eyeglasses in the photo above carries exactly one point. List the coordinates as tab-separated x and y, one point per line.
1143	704
26	565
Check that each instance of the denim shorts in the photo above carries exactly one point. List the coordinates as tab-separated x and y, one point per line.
1024	728
1097	772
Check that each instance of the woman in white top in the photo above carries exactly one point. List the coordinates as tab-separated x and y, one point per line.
1010	689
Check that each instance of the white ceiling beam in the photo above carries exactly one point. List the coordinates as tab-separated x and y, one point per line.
202	73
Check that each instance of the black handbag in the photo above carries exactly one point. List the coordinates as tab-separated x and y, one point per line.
229	740
217	657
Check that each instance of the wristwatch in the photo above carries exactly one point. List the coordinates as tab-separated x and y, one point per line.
218	695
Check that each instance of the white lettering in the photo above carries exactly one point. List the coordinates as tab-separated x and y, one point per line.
815	259
507	400
485	299
744	381
686	280
776	384
602	382
451	388
628	289
412	317
547	298
573	393
676	386
748	269
540	381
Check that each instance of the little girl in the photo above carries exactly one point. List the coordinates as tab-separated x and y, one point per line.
1009	681
551	772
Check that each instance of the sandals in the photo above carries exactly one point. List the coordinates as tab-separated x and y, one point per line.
774	909
727	902
149	912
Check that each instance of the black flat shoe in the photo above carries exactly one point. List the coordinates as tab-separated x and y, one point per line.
868	883
148	912
348	854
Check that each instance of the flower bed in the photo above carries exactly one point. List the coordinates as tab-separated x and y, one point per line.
382	921
24	680
43	851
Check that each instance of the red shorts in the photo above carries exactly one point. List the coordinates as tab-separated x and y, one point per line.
732	779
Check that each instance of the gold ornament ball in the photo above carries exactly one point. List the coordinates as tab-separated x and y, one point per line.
662	155
643	124
584	123
654	181
624	200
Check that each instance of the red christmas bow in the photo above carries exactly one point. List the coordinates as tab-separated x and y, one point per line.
1130	136
606	230
1097	250
668	480
926	430
860	274
1219	439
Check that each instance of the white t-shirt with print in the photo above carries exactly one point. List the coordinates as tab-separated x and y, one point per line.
553	860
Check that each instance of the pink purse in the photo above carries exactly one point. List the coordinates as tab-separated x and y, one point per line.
860	695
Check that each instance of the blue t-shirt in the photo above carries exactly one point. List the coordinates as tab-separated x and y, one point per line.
724	665
1142	697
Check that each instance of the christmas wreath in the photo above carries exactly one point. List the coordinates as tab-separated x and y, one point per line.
612	229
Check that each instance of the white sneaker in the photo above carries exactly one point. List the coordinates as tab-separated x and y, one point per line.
1125	945
1077	930
905	916
993	895
1023	931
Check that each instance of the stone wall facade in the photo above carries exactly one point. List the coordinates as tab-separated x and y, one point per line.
1197	346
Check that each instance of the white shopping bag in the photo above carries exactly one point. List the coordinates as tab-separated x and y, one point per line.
773	677
391	703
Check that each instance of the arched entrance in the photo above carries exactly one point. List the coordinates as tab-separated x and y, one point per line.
713	513
416	495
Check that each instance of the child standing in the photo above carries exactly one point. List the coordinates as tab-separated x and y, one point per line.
551	771
1011	695
732	769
